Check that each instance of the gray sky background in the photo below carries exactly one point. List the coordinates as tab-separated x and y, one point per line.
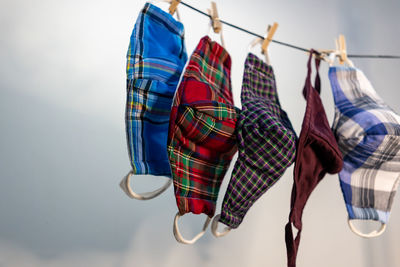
63	147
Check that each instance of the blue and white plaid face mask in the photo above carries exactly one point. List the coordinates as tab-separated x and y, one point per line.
368	134
155	60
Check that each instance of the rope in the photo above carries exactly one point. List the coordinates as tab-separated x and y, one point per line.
287	44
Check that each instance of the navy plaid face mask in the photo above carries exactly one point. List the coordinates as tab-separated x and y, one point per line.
266	143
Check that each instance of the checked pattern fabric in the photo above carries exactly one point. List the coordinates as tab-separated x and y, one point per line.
155	60
201	141
266	142
368	134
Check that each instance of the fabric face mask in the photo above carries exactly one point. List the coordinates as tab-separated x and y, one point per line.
201	141
368	134
155	59
317	154
266	144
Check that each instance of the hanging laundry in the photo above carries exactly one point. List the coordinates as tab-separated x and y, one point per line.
201	141
266	142
155	59
317	154
368	135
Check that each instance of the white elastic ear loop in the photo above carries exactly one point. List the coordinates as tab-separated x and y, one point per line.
177	15
210	27
350	63
180	238
253	43
369	235
256	41
221	35
209	24
331	58
214	227
125	186
267	60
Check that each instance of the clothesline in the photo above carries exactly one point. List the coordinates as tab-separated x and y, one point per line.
283	43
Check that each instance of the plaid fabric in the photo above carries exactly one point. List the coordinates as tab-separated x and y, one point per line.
368	134
155	59
266	142
201	140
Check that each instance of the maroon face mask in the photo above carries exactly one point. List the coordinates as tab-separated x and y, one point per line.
317	154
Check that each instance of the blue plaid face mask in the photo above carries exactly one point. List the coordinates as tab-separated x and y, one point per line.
368	134
155	60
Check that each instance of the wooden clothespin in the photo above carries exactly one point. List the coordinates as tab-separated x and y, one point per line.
323	54
216	23
173	6
340	52
342	48
268	39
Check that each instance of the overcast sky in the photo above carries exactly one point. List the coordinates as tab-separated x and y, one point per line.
63	145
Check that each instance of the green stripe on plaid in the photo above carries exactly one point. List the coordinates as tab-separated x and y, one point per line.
153	70
202	139
266	142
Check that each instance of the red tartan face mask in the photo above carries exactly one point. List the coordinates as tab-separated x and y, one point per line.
201	140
